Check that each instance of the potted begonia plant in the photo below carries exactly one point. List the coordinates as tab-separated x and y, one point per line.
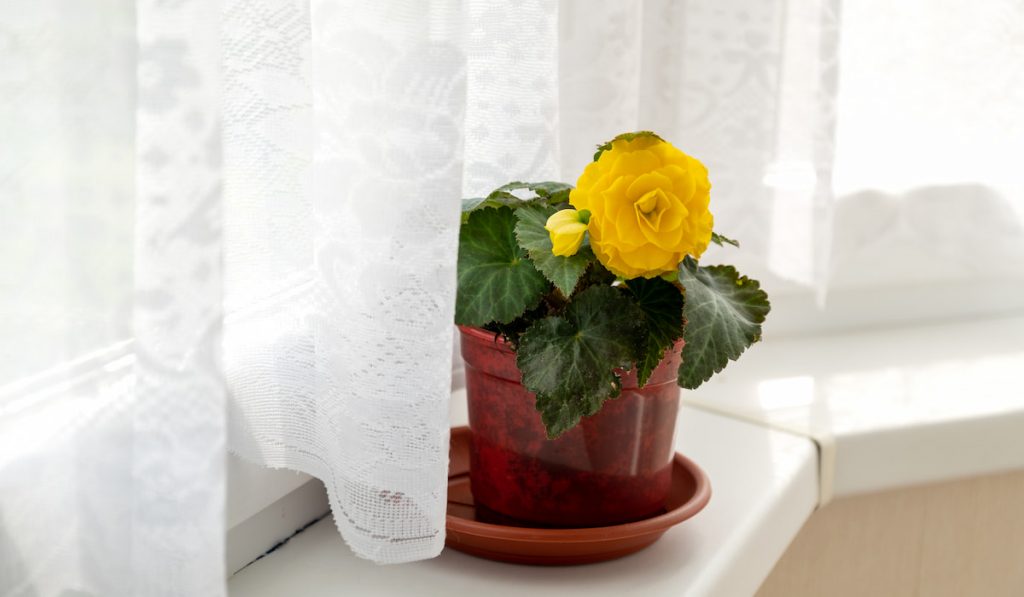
582	311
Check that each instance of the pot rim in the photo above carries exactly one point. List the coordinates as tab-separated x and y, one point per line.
479	334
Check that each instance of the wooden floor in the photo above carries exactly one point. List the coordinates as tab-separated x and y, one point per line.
958	539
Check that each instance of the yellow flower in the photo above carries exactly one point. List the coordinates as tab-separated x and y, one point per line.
649	206
566	228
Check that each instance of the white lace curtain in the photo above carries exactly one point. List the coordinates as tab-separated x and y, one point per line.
235	223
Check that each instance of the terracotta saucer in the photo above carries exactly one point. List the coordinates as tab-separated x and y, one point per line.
485	534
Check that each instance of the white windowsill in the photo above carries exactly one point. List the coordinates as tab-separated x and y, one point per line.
894	407
890	407
764	488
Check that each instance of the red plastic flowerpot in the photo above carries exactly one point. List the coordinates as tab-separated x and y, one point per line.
614	467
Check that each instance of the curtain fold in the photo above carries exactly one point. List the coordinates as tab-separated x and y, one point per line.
178	433
363	126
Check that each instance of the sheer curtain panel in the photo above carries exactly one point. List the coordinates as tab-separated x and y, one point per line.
236	223
112	409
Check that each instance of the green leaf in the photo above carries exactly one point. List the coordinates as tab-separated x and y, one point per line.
569	361
563	272
495	199
662	306
624	137
514	330
552	192
721	240
496	280
472	204
724	312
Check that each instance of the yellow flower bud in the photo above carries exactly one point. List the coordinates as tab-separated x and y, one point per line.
566	228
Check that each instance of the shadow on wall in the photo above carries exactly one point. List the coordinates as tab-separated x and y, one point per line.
926	235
